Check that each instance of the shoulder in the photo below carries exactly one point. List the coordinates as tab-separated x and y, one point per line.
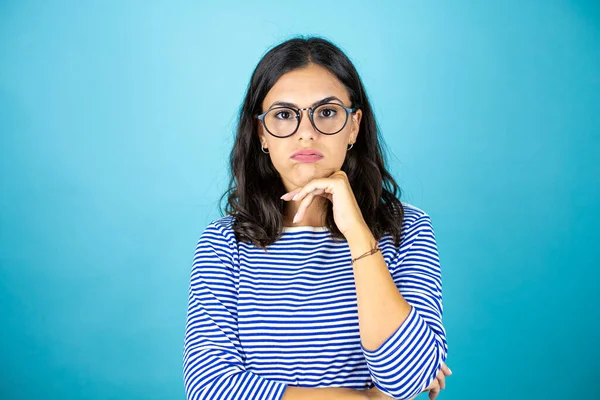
217	243
413	214
223	224
415	221
417	240
220	230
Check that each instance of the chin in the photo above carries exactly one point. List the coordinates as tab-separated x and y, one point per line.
306	178
304	173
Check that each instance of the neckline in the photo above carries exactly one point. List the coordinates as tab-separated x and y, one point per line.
305	229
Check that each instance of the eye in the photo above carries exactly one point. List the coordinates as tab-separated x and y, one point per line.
284	114
327	113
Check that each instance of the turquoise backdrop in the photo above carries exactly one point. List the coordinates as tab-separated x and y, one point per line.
116	121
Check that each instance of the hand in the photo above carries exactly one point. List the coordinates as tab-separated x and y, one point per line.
439	382
336	188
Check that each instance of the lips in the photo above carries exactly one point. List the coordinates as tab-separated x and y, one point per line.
307	152
307	156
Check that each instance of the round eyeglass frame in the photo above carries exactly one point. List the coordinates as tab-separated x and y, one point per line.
349	111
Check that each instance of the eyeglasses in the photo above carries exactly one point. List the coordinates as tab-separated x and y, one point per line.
327	118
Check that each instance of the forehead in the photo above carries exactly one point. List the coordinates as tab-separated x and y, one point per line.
305	86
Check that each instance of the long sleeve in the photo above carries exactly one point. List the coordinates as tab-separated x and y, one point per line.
213	360
409	360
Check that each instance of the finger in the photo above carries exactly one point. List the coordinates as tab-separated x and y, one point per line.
441	377
325	184
446	370
310	187
288	196
433	393
318	192
305	203
433	385
303	206
442	381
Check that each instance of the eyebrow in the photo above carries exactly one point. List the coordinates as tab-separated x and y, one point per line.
292	105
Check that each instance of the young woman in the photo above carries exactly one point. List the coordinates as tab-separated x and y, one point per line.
319	283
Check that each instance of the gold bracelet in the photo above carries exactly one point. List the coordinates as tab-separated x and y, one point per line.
368	253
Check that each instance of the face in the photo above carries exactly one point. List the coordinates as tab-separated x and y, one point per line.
303	88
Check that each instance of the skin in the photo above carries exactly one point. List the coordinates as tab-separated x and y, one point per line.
309	187
303	87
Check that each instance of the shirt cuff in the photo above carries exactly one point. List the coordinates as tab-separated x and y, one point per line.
399	365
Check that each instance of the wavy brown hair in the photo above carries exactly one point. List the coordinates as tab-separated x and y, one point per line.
255	187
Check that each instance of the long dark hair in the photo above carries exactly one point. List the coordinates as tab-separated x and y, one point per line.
253	196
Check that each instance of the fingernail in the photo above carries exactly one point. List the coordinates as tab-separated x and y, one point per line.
295	196
283	197
449	370
295	218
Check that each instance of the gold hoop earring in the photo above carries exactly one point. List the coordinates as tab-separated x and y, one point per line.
351	145
263	149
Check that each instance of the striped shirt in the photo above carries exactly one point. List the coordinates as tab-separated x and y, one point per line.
259	320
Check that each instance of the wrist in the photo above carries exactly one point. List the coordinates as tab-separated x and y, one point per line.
360	241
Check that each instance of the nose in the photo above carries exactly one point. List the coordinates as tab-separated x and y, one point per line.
306	130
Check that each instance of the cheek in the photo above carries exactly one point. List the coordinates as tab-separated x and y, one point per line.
341	146
338	158
280	153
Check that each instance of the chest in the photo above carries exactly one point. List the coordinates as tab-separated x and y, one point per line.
302	293
298	319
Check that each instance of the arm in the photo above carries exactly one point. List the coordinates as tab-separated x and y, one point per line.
400	310
213	358
328	393
213	361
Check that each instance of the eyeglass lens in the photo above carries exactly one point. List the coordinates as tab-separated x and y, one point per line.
328	119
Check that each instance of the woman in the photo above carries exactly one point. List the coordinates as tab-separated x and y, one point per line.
319	283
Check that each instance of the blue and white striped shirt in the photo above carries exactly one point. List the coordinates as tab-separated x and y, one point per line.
260	320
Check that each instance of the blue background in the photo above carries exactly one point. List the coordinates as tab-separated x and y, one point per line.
116	122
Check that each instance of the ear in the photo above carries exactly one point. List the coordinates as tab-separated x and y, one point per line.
356	118
261	135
